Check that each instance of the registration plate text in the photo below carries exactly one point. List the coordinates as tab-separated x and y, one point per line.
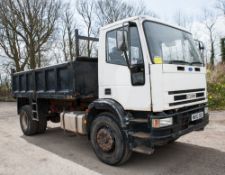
197	116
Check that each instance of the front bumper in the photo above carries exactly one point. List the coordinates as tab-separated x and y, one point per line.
181	126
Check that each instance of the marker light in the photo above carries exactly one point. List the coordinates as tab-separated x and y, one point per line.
206	110
159	123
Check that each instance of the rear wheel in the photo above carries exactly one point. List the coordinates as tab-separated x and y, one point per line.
42	124
108	141
28	126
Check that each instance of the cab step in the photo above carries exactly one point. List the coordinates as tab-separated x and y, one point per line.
143	149
141	135
139	120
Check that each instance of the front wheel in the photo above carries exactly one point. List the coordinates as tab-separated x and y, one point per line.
108	141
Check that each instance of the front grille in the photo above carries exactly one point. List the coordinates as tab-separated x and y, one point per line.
184	97
185	102
179	97
200	94
185	91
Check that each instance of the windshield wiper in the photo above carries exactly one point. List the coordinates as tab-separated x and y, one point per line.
196	62
178	62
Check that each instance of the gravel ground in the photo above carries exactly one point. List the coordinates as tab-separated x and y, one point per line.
56	152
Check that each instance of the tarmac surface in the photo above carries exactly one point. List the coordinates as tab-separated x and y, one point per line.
56	152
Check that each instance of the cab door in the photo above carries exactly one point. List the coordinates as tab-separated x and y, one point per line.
128	86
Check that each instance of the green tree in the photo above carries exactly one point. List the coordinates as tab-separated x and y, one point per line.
223	50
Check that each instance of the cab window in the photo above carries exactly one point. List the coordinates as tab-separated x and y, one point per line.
114	55
135	47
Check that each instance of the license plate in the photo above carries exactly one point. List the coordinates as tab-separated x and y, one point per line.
197	116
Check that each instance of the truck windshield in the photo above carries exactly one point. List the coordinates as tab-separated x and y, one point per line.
172	45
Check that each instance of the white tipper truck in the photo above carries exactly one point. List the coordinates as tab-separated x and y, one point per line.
146	88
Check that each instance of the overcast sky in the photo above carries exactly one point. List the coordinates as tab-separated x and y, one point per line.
168	8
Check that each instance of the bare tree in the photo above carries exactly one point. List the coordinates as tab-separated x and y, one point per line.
86	10
97	13
68	30
209	20
10	42
221	6
109	11
183	20
26	26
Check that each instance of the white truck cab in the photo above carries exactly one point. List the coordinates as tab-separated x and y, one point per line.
167	70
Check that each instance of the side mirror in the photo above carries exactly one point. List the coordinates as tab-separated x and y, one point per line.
121	40
201	46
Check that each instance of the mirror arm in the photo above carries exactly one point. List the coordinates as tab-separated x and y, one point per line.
125	53
127	60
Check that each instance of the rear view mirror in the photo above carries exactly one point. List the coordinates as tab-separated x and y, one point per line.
201	46
121	40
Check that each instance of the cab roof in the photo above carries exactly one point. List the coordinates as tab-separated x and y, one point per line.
143	18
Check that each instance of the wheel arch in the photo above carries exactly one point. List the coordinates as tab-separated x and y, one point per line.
107	105
22	102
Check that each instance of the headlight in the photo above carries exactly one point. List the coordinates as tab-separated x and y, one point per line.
206	110
158	123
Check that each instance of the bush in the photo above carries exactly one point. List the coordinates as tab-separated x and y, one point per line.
216	87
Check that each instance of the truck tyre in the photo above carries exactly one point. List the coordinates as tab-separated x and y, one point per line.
108	141
28	126
42	124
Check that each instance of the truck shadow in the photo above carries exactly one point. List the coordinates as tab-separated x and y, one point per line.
178	158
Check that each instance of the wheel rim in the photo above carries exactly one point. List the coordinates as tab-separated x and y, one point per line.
24	120
105	140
